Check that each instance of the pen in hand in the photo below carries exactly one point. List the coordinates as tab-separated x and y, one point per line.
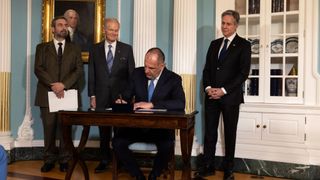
133	100
120	97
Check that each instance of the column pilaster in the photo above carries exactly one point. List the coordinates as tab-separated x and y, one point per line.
5	73
184	47
144	28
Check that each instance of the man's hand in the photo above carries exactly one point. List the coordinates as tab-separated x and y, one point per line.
93	104
215	93
142	105
121	101
60	94
58	88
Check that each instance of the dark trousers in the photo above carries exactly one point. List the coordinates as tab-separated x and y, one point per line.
164	140
230	115
51	131
105	137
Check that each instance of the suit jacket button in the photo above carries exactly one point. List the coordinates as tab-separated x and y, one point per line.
218	68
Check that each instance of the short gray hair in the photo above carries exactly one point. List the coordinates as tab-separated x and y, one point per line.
232	13
110	20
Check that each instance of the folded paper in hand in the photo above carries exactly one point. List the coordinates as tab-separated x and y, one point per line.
69	102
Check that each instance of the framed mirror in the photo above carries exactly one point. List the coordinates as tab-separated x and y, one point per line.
88	28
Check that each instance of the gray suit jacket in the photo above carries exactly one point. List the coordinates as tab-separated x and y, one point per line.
46	69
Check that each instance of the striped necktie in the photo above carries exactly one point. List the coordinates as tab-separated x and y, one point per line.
109	58
150	90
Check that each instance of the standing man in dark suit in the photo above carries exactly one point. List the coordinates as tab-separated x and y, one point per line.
167	94
226	69
58	67
111	63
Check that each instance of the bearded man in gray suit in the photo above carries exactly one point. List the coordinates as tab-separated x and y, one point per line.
58	67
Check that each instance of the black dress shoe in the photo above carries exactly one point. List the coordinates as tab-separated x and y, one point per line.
47	167
152	176
228	175
205	170
101	167
64	167
140	177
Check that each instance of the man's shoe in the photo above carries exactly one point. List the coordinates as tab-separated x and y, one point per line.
205	170
64	167
101	167
152	176
228	175
47	167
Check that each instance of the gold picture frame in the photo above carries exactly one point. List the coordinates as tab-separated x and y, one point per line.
49	7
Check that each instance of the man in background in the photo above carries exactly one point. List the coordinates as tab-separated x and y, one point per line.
58	67
75	35
153	87
226	69
111	63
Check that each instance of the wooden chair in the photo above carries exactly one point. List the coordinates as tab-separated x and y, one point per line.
143	150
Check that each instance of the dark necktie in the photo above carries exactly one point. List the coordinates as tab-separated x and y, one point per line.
150	90
59	60
224	49
109	58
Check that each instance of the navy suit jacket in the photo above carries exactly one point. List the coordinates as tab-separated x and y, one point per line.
105	85
168	93
229	72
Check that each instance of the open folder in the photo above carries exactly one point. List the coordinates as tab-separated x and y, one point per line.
69	102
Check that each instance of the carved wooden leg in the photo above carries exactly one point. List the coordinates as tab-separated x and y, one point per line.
186	136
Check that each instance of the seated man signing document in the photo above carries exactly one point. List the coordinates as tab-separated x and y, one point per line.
152	87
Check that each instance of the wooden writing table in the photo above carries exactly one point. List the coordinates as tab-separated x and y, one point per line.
167	120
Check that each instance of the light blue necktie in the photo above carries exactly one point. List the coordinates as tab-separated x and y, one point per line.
150	90
109	58
223	50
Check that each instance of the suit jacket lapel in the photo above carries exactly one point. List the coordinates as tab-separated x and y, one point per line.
161	81
215	53
66	52
102	56
232	47
53	50
145	84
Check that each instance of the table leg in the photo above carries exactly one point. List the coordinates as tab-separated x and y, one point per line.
76	151
66	130
186	137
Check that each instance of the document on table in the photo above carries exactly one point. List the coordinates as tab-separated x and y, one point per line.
151	110
69	102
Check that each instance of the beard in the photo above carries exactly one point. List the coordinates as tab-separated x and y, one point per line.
62	34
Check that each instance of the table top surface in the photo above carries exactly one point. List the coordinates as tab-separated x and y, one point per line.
140	112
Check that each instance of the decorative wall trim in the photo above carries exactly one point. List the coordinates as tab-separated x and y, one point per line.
25	131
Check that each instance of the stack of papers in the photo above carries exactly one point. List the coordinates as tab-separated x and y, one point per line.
69	102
